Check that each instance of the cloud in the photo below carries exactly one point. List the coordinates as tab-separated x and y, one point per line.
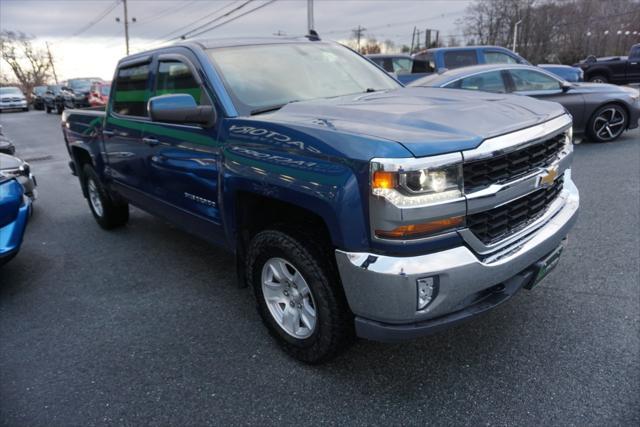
96	50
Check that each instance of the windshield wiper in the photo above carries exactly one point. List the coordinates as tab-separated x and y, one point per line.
270	108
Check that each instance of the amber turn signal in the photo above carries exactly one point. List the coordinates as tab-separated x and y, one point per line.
383	179
417	230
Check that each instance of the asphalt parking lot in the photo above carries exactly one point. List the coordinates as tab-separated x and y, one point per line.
146	325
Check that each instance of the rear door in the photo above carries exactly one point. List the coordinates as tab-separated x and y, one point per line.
185	164
530	82
127	154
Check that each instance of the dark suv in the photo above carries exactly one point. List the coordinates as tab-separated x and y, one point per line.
53	99
75	93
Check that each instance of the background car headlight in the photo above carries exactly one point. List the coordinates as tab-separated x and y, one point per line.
418	182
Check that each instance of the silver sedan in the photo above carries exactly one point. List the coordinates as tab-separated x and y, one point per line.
601	111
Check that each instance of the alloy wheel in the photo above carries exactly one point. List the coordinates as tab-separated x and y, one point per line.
94	197
609	124
288	298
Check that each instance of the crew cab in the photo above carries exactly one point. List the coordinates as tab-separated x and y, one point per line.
620	70
354	206
440	59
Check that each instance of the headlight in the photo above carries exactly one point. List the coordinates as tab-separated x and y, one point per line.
418	182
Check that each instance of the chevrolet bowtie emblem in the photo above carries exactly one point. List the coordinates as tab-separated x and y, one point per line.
547	179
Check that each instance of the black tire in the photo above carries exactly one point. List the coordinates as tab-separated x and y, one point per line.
333	330
48	109
59	108
25	109
613	117
598	78
113	212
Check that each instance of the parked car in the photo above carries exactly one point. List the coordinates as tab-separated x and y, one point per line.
602	111
14	215
565	72
75	92
404	68
37	97
352	204
99	94
53	100
621	70
17	168
450	58
12	98
6	146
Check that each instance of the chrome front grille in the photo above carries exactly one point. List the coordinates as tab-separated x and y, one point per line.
495	170
498	223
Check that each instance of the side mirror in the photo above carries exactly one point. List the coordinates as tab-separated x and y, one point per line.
180	108
566	86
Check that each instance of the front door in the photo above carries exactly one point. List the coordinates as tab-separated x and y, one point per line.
633	68
127	154
540	85
184	165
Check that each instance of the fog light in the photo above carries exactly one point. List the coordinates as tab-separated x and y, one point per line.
427	290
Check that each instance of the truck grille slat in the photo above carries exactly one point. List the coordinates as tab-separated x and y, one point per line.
482	173
498	223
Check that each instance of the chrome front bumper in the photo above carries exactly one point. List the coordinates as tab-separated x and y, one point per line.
383	288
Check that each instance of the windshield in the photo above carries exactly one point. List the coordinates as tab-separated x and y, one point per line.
10	91
39	90
83	85
431	80
263	76
105	89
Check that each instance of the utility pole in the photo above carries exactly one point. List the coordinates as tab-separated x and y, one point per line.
53	67
126	24
413	37
358	33
515	35
310	23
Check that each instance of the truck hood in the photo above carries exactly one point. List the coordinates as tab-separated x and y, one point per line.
426	121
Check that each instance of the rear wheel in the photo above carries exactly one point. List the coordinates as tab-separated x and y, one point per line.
299	297
109	211
607	123
48	109
598	78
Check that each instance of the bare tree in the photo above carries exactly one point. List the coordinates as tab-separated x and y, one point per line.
555	30
30	65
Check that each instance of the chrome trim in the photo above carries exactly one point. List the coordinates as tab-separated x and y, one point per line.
569	189
514	141
498	194
383	288
413	164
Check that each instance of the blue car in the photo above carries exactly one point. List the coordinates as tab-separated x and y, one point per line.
15	208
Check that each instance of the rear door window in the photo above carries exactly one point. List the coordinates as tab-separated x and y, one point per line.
499	58
634	55
131	91
488	82
460	58
176	77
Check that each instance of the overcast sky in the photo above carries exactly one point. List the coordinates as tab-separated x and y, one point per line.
82	49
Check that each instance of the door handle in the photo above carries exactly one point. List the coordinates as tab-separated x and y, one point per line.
108	132
151	141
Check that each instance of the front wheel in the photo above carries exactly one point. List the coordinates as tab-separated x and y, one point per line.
607	123
108	211
299	297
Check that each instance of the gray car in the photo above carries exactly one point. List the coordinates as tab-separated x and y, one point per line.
601	111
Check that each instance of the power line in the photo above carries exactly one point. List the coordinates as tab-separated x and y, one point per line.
97	19
208	15
234	18
215	19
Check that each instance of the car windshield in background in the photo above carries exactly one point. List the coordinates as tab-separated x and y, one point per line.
105	90
80	84
10	91
260	77
39	90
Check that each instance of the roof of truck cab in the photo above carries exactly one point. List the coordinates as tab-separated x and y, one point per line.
222	43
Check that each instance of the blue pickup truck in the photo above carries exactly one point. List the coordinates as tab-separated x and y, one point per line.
354	206
408	68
